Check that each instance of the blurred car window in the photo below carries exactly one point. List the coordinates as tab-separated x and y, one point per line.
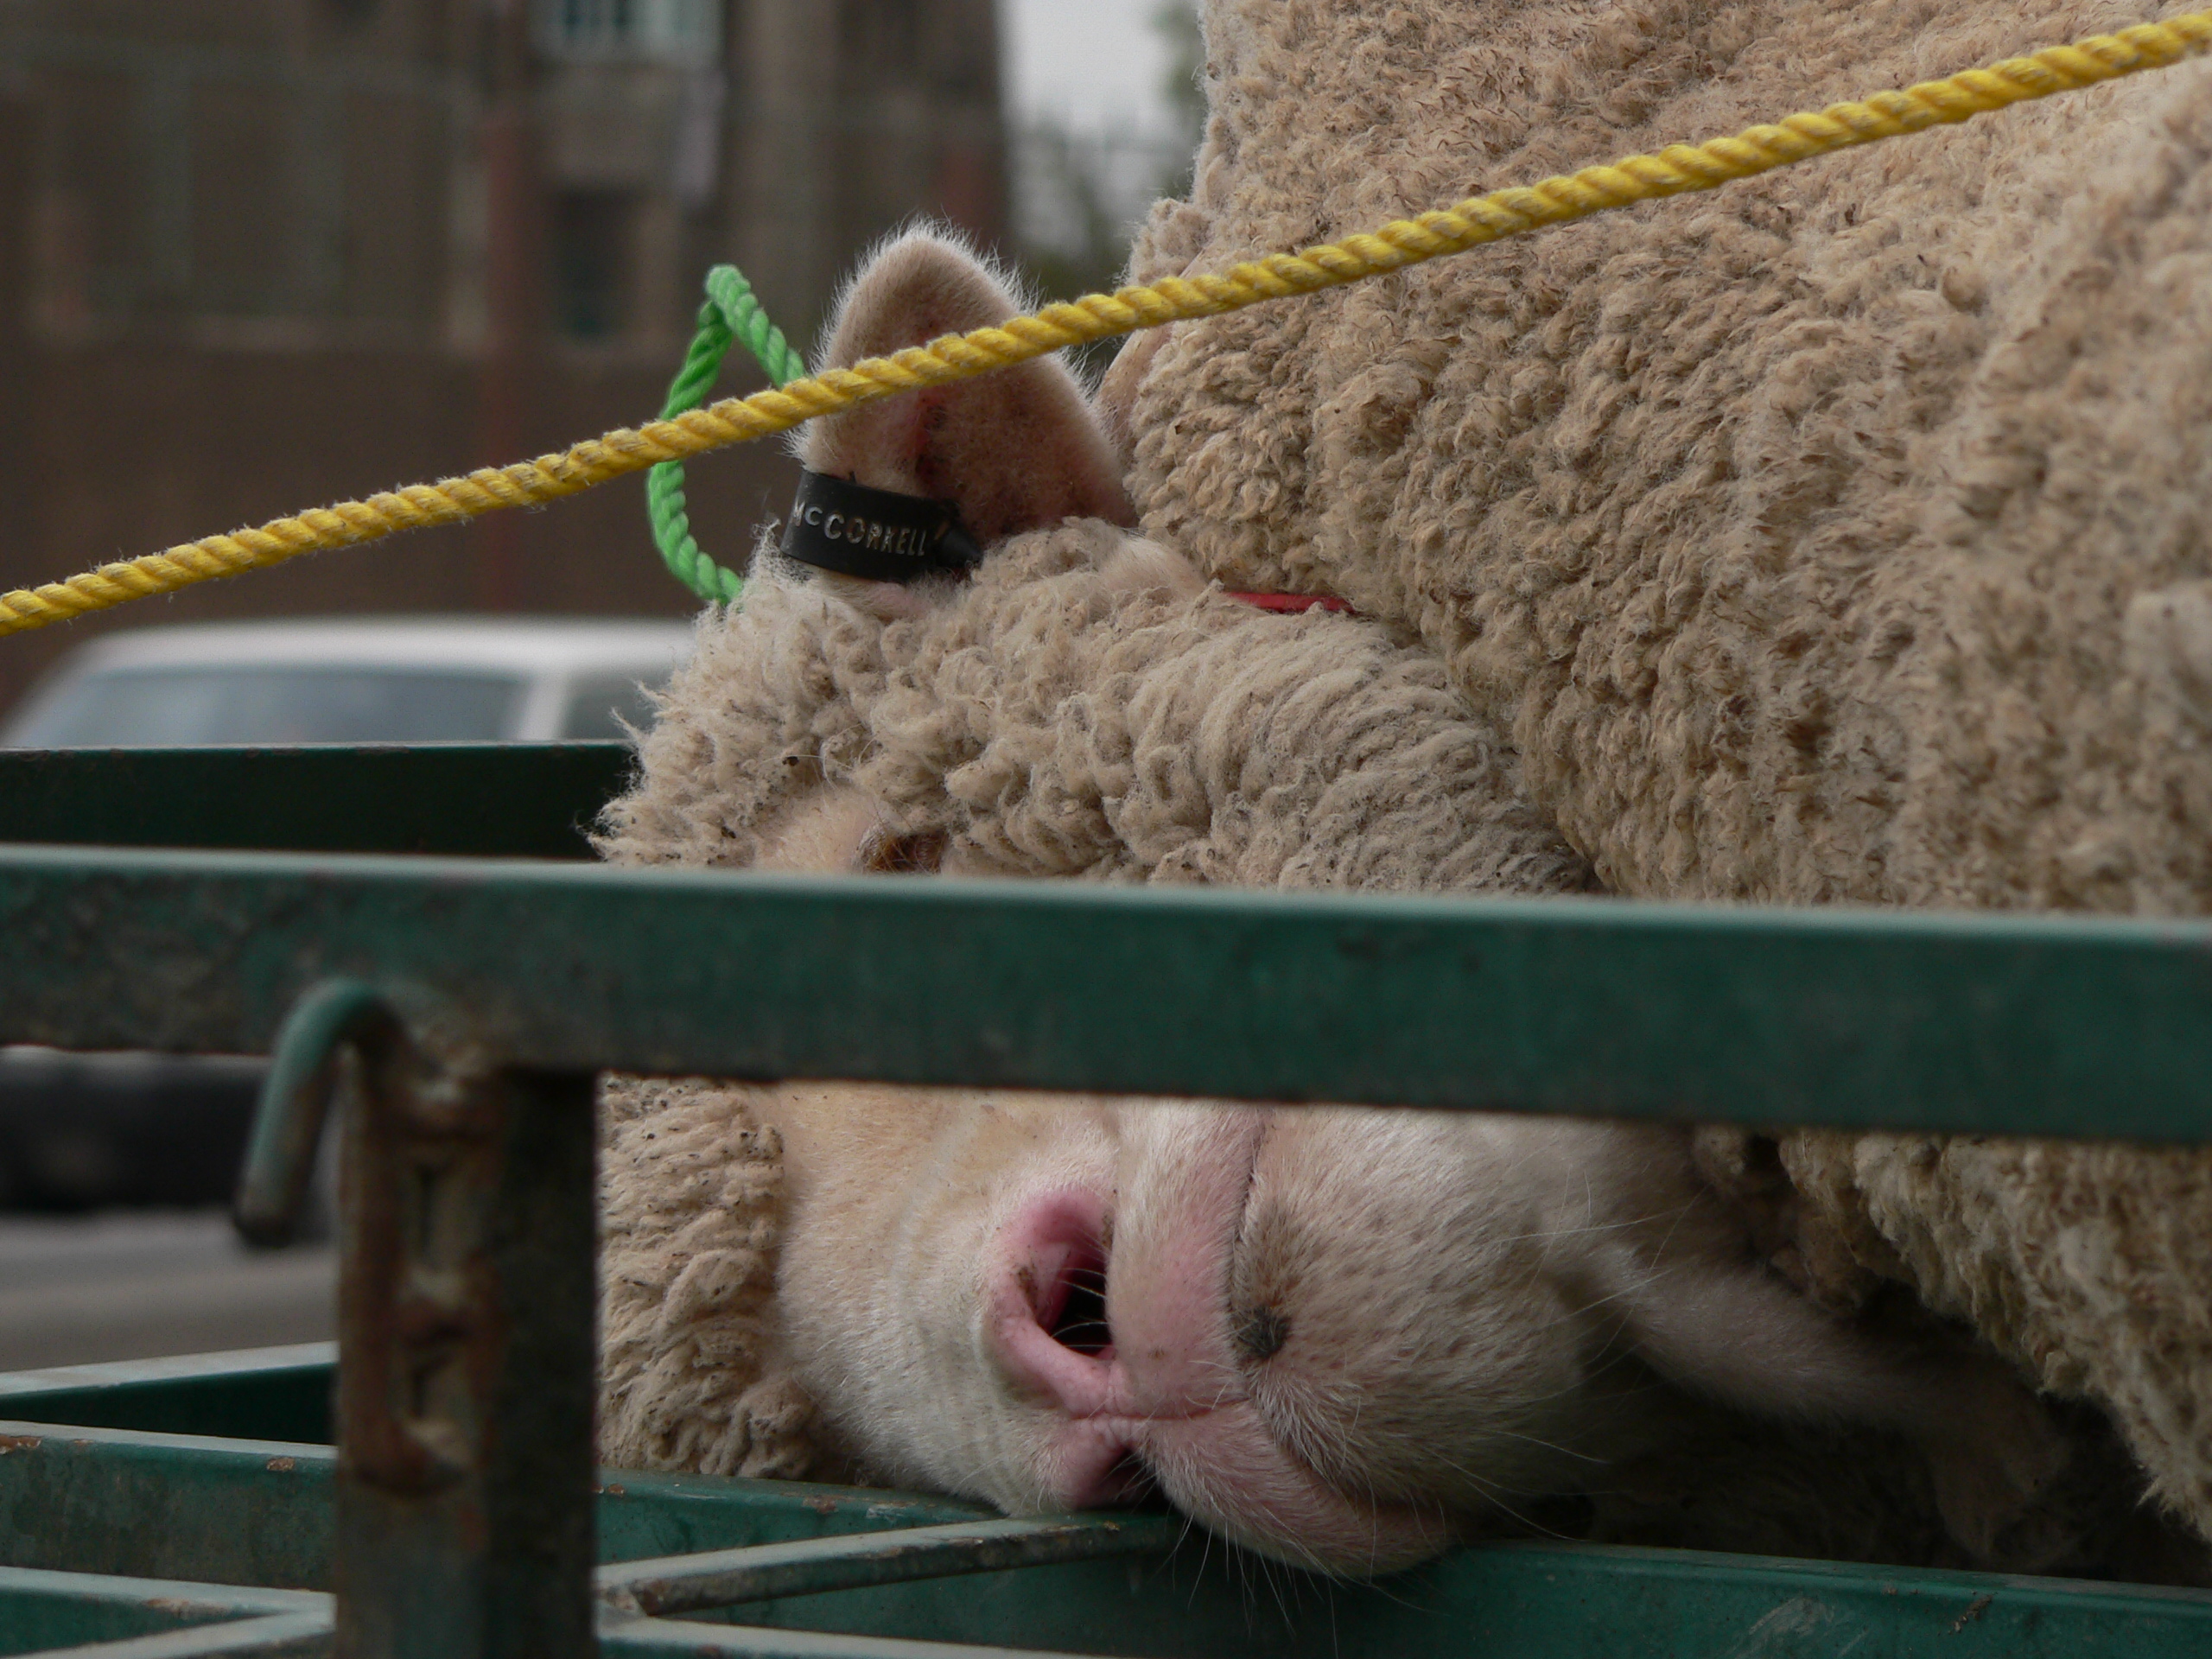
599	705
352	680
169	707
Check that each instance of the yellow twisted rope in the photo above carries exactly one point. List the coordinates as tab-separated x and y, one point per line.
1677	169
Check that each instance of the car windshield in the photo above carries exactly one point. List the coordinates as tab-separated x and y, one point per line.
161	708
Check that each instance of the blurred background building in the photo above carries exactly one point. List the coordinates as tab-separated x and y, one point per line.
256	254
259	254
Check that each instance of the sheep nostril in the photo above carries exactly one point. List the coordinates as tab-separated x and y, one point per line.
1260	1333
1078	1320
1049	1320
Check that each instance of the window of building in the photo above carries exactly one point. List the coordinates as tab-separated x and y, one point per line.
661	31
592	232
88	243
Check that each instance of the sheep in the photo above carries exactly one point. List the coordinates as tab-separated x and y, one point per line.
1052	1303
1839	535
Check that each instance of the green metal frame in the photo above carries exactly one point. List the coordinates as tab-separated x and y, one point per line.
696	1564
1968	1024
124	1516
268	1394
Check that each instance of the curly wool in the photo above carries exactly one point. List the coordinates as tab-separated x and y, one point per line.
1726	506
2085	1264
1844	535
1052	721
690	1214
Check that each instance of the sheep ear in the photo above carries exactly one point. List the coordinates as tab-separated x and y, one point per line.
1015	450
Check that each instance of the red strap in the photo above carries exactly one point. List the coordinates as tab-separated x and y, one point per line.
1295	603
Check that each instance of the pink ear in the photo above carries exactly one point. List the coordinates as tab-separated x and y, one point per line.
1016	450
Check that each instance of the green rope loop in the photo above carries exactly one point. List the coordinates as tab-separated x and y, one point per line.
730	314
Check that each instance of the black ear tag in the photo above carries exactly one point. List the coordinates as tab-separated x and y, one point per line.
876	535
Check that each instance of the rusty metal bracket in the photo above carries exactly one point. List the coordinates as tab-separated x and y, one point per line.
466	1304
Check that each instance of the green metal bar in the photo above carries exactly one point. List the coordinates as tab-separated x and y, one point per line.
1535	1602
162	1507
1199	1601
246	1511
644	1515
655	1638
41	1611
165	1506
1596	1602
691	1584
285	1636
516	800
268	1394
1964	1023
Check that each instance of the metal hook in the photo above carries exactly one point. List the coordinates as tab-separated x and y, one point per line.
296	1103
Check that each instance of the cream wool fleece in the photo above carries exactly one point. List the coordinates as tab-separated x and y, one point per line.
1794	528
1840	535
2087	1264
690	1209
1052	721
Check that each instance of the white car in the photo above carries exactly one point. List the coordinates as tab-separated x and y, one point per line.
395	680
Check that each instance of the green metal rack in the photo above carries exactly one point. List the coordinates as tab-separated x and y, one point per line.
199	1507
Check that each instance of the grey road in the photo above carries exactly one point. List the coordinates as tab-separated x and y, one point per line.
74	1290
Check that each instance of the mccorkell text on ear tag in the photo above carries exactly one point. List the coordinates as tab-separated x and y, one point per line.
876	535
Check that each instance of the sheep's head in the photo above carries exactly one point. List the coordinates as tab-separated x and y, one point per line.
1014	469
1333	1335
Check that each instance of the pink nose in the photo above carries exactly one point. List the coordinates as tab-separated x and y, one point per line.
1048	1309
1049	1329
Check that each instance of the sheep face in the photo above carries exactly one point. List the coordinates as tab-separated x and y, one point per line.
1339	1337
1325	1333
